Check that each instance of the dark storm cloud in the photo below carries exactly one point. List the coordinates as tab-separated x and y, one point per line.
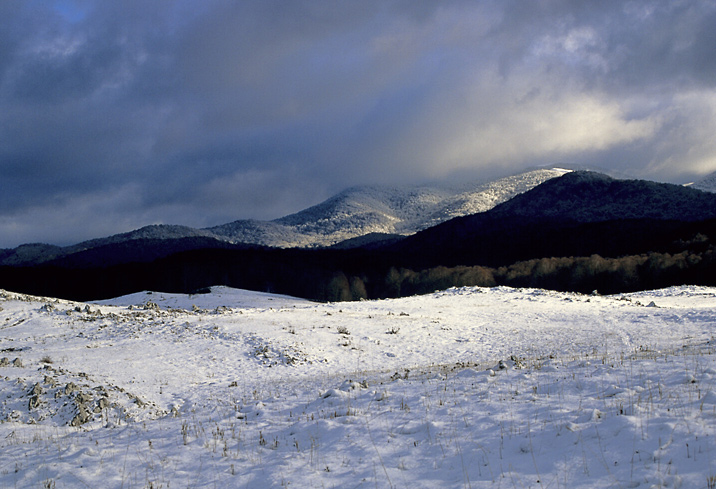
114	115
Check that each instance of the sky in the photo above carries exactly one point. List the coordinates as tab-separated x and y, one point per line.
117	115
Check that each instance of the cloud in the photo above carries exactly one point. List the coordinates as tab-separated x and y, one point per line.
73	217
494	123
201	113
686	144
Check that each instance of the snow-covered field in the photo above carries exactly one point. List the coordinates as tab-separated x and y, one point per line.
466	388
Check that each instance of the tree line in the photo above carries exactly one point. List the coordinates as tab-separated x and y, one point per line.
340	275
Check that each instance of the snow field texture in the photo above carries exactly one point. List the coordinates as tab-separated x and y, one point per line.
462	388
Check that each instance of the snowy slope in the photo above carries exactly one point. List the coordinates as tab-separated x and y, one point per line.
462	388
707	184
380	209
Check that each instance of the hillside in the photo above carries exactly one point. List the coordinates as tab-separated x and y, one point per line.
359	212
586	196
466	387
578	214
366	210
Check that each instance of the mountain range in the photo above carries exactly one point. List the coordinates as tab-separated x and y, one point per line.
356	216
584	229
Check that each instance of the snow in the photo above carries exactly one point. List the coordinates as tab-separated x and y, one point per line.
359	211
707	184
466	387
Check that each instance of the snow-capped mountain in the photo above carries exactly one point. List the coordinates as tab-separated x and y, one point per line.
707	184
359	211
353	213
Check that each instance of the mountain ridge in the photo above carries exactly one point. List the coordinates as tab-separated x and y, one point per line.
587	196
358	212
576	213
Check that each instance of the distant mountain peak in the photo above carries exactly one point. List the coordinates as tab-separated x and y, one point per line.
381	210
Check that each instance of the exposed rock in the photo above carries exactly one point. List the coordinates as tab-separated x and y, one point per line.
36	390
102	403
83	415
136	400
83	398
33	402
